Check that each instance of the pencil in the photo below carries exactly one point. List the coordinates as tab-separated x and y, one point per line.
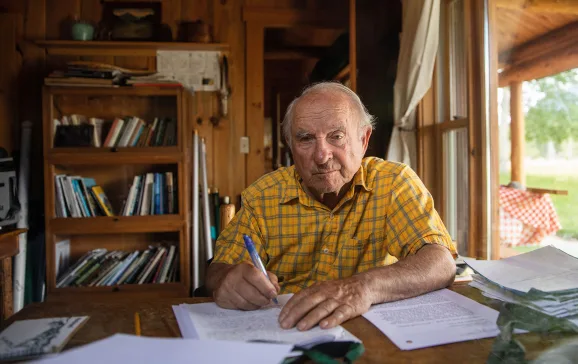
137	324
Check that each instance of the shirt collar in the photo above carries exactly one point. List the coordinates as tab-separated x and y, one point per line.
293	188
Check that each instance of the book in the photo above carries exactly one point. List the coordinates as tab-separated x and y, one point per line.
32	338
102	200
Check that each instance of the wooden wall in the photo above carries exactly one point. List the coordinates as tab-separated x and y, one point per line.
51	19
10	30
378	28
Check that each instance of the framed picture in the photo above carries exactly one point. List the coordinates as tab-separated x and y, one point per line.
132	20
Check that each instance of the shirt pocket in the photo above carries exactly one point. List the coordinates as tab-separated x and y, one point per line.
360	254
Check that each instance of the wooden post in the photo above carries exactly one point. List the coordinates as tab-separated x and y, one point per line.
517	133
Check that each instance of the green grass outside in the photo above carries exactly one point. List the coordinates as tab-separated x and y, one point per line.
566	206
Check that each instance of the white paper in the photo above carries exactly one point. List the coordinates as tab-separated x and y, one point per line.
547	269
191	68
123	349
209	321
435	318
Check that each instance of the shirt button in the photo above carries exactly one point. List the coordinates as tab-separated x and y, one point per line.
326	251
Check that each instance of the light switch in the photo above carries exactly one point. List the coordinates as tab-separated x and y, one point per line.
244	145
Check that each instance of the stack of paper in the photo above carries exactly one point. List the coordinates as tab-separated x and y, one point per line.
209	321
545	280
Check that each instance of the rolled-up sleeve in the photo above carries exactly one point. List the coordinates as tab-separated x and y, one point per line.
412	221
230	247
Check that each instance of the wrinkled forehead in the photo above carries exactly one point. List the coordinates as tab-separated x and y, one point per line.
318	109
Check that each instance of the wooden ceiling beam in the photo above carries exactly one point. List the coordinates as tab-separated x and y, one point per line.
546	65
557	39
544	56
540	6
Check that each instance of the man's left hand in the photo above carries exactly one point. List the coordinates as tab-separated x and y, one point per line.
328	303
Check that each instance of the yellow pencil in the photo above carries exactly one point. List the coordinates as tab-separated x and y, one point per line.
137	324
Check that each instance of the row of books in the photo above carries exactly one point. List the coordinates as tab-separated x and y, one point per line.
151	194
100	267
80	197
125	132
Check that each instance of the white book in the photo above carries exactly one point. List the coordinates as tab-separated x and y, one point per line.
126	211
97	135
147	197
115	132
127	133
150	268
165	269
32	338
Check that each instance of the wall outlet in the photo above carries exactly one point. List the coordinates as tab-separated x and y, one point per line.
244	145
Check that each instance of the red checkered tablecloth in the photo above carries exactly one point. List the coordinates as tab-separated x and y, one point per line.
526	217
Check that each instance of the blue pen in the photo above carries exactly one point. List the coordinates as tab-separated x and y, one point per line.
255	258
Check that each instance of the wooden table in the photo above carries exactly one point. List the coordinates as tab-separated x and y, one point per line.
8	248
157	319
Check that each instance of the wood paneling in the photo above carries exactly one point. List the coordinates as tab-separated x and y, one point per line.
229	28
255	101
378	23
517	26
10	26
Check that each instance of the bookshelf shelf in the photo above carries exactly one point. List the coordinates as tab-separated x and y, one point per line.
90	181
114	91
127	291
122	48
116	224
148	155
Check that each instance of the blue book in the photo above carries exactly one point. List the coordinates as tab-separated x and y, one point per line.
80	194
157	194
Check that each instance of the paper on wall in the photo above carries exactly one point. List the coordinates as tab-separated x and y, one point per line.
195	70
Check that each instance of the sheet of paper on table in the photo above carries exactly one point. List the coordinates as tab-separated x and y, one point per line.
436	318
123	349
208	321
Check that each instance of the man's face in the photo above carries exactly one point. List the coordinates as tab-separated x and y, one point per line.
327	142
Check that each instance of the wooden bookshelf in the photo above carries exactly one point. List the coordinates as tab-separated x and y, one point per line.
114	170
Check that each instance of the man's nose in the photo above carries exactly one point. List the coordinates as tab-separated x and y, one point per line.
322	152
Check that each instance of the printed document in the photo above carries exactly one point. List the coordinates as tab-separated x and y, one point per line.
209	321
436	318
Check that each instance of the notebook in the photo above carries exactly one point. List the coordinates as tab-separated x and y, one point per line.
30	338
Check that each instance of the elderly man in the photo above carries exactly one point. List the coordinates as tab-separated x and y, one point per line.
340	231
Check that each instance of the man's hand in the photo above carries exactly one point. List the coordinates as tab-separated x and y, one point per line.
328	303
244	287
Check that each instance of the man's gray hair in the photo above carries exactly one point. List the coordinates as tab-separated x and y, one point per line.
364	117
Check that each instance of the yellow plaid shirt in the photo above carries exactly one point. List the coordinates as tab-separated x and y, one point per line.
386	215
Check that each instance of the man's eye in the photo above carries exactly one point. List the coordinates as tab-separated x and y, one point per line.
305	139
337	137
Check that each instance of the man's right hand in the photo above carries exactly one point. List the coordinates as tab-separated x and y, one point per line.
244	287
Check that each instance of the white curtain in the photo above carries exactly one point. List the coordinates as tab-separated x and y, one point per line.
417	53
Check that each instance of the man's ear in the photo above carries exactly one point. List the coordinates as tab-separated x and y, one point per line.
365	134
